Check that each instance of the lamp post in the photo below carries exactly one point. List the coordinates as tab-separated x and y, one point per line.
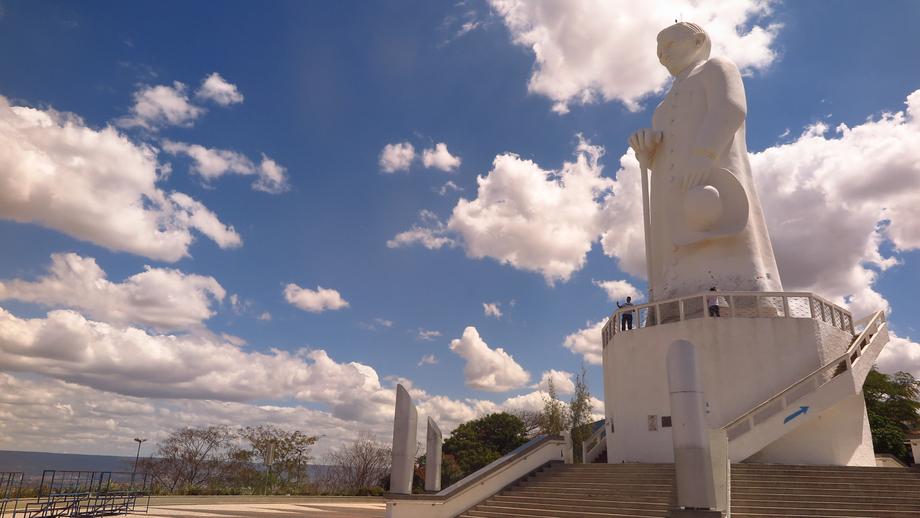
136	458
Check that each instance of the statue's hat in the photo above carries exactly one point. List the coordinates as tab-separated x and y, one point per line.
718	208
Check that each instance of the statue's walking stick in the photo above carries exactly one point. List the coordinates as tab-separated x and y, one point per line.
647	217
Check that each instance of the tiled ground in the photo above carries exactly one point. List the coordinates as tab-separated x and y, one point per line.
270	510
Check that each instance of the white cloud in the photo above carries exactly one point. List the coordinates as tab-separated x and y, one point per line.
217	89
430	232
532	219
901	354
383	322
562	381
591	50
440	158
315	301
161	105
87	386
67	417
449	186
587	342
396	157
162	298
619	290
211	164
272	176
265	316
95	185
130	361
487	369
832	201
428	359
427	334
492	309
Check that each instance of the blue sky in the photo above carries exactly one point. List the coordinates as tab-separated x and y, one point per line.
319	90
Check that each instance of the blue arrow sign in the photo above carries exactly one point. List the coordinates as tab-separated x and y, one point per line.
801	411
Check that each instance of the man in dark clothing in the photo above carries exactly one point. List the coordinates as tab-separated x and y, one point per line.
627	316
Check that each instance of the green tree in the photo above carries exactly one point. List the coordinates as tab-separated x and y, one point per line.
476	443
285	454
580	413
892	406
553	416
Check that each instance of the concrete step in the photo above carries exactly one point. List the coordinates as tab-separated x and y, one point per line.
502	511
504	514
827	504
652	496
651	479
824	513
625	507
793	498
602	501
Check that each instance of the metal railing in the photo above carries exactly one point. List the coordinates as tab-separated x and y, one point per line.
86	494
732	304
810	383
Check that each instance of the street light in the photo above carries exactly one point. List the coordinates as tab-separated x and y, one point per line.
138	441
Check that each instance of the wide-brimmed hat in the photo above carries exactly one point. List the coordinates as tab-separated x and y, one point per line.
718	208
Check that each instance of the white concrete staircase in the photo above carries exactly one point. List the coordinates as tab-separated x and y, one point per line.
771	490
585	490
758	491
806	399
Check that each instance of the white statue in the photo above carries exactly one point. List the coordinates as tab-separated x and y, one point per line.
704	223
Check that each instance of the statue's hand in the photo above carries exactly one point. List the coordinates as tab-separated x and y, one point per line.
644	142
696	171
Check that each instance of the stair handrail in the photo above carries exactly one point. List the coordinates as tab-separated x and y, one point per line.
594	445
853	353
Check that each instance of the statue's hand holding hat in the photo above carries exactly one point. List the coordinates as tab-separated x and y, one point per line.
716	208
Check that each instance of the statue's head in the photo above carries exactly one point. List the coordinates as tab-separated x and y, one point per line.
682	45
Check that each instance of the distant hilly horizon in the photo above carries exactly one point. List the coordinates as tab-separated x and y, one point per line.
32	463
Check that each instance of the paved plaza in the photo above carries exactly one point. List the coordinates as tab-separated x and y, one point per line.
209	507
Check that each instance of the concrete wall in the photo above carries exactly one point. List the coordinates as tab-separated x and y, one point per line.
840	436
743	362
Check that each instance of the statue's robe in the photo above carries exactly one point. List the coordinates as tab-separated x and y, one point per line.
705	110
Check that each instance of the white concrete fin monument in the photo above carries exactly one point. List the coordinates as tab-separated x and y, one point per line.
433	457
405	428
781	372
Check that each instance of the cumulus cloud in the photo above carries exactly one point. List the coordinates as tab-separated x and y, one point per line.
449	186
58	368
131	361
265	316
161	105
591	50
68	417
562	381
217	89
211	164
587	342
533	219
619	290
161	298
315	301
901	354
492	309
440	158
428	359
97	186
427	334
429	232
396	157
833	199
487	369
